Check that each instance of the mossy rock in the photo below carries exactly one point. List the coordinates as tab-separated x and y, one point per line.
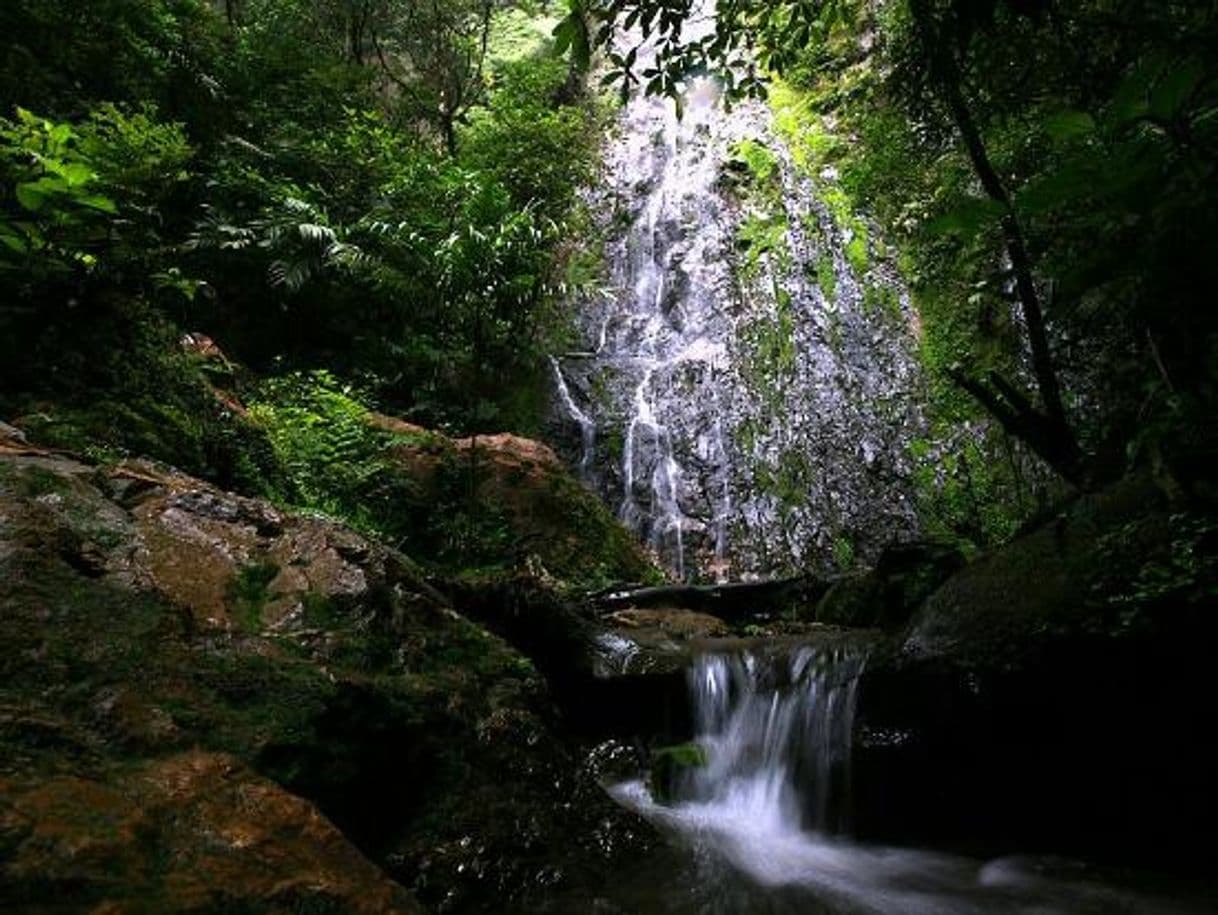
671	765
427	740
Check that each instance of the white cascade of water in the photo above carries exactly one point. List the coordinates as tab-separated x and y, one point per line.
746	418
777	736
776	727
587	428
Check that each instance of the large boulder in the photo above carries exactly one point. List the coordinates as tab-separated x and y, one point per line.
195	832
1047	695
146	614
887	595
543	514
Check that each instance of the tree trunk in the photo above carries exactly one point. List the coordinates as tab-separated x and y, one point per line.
1048	433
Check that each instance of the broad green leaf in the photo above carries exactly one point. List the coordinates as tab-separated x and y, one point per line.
30	197
1075	180
77	173
969	216
1131	99
571	34
1069	125
1174	88
60	134
98	202
13	241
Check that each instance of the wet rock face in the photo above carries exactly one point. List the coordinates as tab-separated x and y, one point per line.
745	394
165	640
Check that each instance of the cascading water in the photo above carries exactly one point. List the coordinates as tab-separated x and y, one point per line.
745	407
755	824
777	736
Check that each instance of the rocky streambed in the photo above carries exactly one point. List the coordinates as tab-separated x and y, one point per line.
208	703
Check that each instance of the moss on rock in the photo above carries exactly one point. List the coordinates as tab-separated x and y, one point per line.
355	687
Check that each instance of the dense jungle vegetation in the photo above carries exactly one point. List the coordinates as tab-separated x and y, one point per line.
383	191
371	202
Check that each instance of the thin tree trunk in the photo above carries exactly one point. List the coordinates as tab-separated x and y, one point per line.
1048	433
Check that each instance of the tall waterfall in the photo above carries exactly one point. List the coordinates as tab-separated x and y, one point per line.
745	407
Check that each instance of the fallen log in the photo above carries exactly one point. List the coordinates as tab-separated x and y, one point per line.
729	601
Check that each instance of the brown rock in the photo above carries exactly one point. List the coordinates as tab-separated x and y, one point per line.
197	832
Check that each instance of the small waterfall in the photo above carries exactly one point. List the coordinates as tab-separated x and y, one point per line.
587	428
757	819
777	732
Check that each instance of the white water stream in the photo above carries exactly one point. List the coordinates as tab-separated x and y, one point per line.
762	817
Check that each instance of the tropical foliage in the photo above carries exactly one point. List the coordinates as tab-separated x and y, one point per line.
378	189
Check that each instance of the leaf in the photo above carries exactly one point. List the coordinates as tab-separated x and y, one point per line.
30	197
13	241
971	215
1069	125
564	36
571	34
1172	92
99	203
77	173
1130	100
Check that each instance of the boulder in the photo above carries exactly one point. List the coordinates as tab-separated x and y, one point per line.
195	832
519	486
886	596
1046	696
147	614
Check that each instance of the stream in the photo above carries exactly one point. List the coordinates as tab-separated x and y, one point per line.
762	827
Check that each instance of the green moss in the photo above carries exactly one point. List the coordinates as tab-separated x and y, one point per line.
882	300
826	277
769	357
801	128
856	251
843	552
320	610
668	764
758	159
788	482
760	235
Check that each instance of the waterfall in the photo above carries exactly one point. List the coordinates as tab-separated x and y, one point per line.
587	428
760	814
776	731
751	408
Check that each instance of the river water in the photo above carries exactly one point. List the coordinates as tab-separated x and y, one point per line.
762	827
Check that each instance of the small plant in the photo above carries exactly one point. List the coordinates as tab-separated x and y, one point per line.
669	764
843	552
250	592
